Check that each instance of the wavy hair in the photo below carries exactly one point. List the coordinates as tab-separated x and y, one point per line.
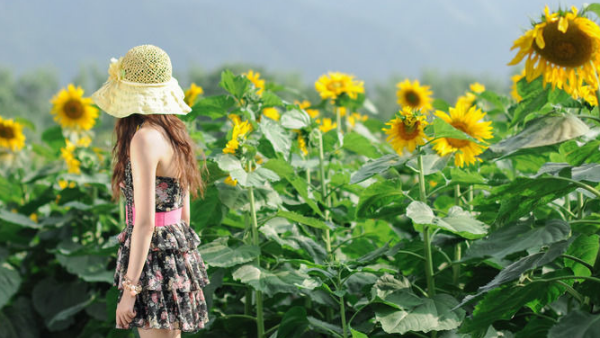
188	173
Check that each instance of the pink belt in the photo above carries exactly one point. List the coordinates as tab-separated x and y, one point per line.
161	218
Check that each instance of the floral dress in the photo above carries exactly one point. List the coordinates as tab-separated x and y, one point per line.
174	273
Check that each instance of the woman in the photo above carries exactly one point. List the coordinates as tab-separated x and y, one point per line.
160	273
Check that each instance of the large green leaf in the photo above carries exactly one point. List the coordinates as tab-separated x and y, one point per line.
54	138
360	145
256	178
576	324
536	327
458	221
217	253
443	129
235	85
587	172
432	163
295	217
377	166
89	268
279	137
9	283
57	310
272	282
585	248
212	106
295	119
17	320
293	324
386	193
518	237
17	219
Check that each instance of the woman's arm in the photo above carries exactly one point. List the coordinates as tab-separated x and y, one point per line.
185	213
145	155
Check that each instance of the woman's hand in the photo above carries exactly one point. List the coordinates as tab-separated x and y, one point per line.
125	312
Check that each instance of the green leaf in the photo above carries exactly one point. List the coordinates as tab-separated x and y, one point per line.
440	104
500	304
593	7
543	131
293	324
377	166
531	103
536	327
235	85
586	248
270	99
54	138
514	270
17	219
576	324
273	282
212	106
256	178
89	268
9	283
458	221
358	334
49	301
518	237
16	320
295	217
381	194
295	119
463	177
280	138
588	172
443	129
218	254
360	145
431	163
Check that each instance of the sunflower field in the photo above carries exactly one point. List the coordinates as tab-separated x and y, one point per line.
473	218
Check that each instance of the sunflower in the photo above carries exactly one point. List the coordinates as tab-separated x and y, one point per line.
334	84
230	181
563	48
235	119
588	95
72	110
11	135
192	93
67	153
356	117
467	119
406	130
239	130
254	77
84	141
515	79
326	125
301	142
64	184
271	113
477	87
469	97
304	105
414	95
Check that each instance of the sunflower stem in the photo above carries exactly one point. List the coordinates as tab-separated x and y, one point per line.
580	204
260	324
426	239
457	247
338	119
324	192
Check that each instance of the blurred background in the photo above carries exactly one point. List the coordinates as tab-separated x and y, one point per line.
445	44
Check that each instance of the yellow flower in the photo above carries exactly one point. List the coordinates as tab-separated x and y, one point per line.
239	131
230	181
414	95
254	77
301	142
468	119
433	184
72	110
235	119
271	113
11	135
477	88
98	152
258	159
334	84
589	95
356	117
516	78
406	131
563	48
304	105
84	141
73	164
64	184
192	93
34	217
326	125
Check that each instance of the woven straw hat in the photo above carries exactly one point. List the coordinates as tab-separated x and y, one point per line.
141	82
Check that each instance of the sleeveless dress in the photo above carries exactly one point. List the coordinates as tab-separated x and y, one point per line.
174	273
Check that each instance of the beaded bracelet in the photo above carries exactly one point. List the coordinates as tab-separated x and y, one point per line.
134	289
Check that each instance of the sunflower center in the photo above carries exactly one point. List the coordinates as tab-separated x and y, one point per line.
412	98
570	49
408	131
6	132
457	143
73	109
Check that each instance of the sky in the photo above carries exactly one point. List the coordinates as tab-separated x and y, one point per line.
370	39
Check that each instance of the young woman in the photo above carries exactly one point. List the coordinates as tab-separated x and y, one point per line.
160	273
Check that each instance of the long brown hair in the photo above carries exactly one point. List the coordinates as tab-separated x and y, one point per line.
184	147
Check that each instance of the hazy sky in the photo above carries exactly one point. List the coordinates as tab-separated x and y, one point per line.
370	38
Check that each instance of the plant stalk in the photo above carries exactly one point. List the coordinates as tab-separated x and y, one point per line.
457	247
324	191
338	119
426	239
260	324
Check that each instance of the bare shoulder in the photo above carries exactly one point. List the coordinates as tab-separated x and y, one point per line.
148	142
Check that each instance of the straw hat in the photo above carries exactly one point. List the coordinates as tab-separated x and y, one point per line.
141	82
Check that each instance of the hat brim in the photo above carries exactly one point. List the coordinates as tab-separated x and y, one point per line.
122	98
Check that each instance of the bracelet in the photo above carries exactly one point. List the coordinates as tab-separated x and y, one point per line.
133	289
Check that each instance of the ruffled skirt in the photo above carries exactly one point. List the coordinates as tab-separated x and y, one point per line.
172	280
